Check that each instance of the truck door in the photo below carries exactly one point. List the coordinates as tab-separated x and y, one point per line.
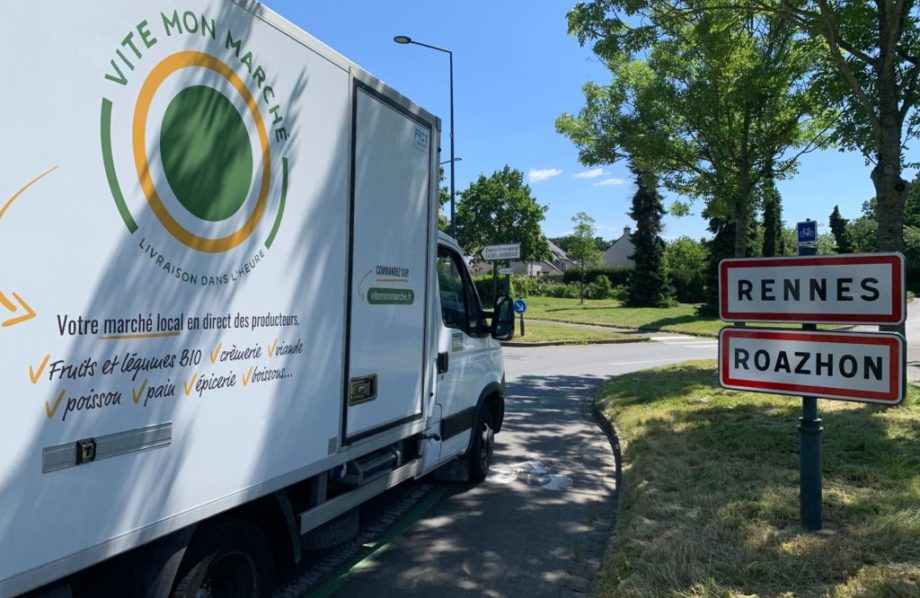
392	230
466	353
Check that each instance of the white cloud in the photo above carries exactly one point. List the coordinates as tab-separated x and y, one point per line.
541	174
590	174
610	181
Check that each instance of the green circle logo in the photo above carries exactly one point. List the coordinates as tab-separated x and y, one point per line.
207	157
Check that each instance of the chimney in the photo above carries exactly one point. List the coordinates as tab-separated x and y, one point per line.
626	231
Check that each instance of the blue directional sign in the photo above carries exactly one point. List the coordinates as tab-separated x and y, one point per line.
520	306
808	231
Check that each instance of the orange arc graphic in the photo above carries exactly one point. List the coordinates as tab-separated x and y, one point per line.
160	72
21	191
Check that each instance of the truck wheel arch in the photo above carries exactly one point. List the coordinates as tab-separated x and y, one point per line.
492	397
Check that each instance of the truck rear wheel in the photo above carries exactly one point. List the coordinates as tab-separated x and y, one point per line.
232	560
482	446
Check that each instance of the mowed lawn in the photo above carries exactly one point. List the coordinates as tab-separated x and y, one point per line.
566	334
682	319
709	504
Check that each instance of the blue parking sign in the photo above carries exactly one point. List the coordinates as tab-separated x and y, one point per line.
808	231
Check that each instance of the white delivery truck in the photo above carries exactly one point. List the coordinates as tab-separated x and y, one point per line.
226	316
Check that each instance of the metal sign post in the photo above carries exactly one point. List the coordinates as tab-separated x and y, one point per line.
520	306
494	253
810	428
844	289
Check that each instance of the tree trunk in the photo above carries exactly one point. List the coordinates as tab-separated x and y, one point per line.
742	217
890	189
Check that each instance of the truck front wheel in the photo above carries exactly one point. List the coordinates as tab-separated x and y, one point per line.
483	445
232	560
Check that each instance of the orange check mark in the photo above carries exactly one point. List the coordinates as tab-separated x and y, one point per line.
34	375
191	384
247	376
271	349
137	395
49	410
216	353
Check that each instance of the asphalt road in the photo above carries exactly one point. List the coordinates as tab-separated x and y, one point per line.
538	525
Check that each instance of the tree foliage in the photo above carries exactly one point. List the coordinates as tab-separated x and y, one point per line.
773	240
582	248
649	285
443	199
500	209
714	99
686	261
870	67
842	240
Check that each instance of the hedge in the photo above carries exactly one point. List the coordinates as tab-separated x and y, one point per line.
617	275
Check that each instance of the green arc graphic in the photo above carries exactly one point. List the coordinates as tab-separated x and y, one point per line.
109	164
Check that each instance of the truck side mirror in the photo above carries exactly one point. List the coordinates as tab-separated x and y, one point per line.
503	319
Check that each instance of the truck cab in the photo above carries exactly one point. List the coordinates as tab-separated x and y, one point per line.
469	386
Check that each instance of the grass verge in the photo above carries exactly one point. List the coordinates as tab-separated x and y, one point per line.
709	505
539	332
682	319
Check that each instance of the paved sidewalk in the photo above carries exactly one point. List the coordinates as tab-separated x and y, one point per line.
537	526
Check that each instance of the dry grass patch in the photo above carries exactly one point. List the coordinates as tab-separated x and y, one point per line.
710	502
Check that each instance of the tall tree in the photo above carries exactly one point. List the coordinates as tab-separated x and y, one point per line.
772	219
870	67
649	285
720	247
842	240
500	209
716	100
582	248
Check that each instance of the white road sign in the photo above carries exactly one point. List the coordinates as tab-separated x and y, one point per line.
846	289
848	366
508	251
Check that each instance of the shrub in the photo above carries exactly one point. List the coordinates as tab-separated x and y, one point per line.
690	285
616	275
484	286
599	289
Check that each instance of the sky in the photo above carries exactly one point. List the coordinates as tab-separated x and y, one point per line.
516	70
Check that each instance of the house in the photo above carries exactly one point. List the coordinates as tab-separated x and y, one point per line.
619	253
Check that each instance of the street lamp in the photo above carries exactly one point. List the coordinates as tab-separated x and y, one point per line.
405	39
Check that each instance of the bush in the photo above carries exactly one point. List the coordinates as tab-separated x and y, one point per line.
561	290
599	289
690	285
615	275
525	286
484	286
618	293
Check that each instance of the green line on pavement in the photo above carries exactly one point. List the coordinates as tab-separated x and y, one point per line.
340	578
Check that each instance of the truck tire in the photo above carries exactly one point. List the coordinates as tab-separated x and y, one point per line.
482	445
229	560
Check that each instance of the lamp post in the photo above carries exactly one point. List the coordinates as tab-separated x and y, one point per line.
405	39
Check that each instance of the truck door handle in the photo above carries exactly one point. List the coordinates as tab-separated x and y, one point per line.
443	360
